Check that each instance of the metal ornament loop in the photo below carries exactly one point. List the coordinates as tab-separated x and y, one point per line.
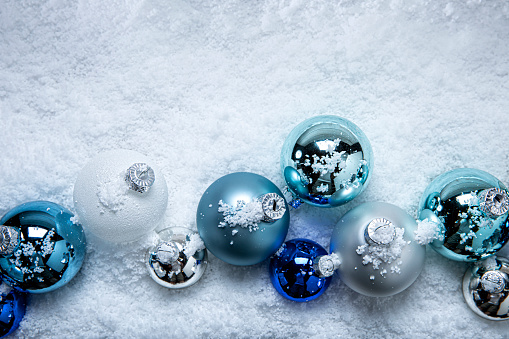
326	265
273	207
494	202
380	231
493	281
140	177
9	239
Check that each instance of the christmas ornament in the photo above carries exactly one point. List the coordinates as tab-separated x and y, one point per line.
12	309
179	258
120	196
486	288
41	247
326	161
470	209
296	270
376	249
242	218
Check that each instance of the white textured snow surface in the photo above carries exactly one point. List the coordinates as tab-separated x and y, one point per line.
213	87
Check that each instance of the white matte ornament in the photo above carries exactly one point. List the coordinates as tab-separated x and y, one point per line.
108	208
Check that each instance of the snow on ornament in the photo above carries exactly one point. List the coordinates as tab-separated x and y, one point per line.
375	246
242	218
120	196
41	247
326	161
471	210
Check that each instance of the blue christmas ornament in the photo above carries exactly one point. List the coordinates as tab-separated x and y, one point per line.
41	248
470	208
12	309
242	218
295	273
326	161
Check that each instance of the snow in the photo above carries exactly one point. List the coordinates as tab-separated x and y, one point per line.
213	87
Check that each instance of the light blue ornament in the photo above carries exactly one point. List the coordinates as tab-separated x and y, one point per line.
326	161
470	207
41	248
12	309
242	218
294	272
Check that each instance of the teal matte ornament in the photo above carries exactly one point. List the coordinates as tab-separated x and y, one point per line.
326	161
471	209
242	218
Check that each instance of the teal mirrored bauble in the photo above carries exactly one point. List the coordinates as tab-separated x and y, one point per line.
12	309
471	208
41	247
242	218
326	161
376	247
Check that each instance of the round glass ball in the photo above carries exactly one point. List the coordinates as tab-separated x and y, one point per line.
471	208
227	219
50	251
12	309
292	273
111	208
326	161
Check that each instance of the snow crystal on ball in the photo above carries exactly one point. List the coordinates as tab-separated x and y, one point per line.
245	215
427	231
112	194
193	245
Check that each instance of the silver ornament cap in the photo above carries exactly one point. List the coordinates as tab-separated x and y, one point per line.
273	206
325	265
140	177
494	202
9	239
380	231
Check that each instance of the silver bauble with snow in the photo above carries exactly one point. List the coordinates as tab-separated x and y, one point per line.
120	196
377	250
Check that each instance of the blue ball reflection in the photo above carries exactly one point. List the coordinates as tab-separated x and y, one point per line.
12	311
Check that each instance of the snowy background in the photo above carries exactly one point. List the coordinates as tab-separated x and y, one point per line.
212	87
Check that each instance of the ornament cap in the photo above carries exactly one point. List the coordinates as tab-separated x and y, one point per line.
494	202
493	281
325	265
167	252
380	231
273	206
9	239
140	177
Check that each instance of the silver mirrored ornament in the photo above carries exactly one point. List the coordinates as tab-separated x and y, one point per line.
326	161
486	288
470	208
178	260
376	248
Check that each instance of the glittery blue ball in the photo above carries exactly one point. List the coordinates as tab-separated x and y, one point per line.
12	311
239	245
292	273
326	161
50	248
471	208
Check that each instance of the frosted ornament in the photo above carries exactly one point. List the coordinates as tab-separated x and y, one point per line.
120	196
326	161
470	207
12	309
486	288
41	248
375	245
242	218
301	270
178	260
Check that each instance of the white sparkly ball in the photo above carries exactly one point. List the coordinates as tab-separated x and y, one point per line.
108	208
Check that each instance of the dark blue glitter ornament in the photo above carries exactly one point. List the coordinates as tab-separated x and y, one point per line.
12	310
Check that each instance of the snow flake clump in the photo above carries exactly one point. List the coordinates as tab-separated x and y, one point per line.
427	231
330	162
193	245
245	215
112	194
377	254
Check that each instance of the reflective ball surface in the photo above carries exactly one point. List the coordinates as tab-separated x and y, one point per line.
176	262
292	273
326	161
376	246
113	209
12	310
237	234
50	251
471	208
486	288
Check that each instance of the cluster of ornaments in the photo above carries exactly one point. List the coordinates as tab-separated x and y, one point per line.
376	249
